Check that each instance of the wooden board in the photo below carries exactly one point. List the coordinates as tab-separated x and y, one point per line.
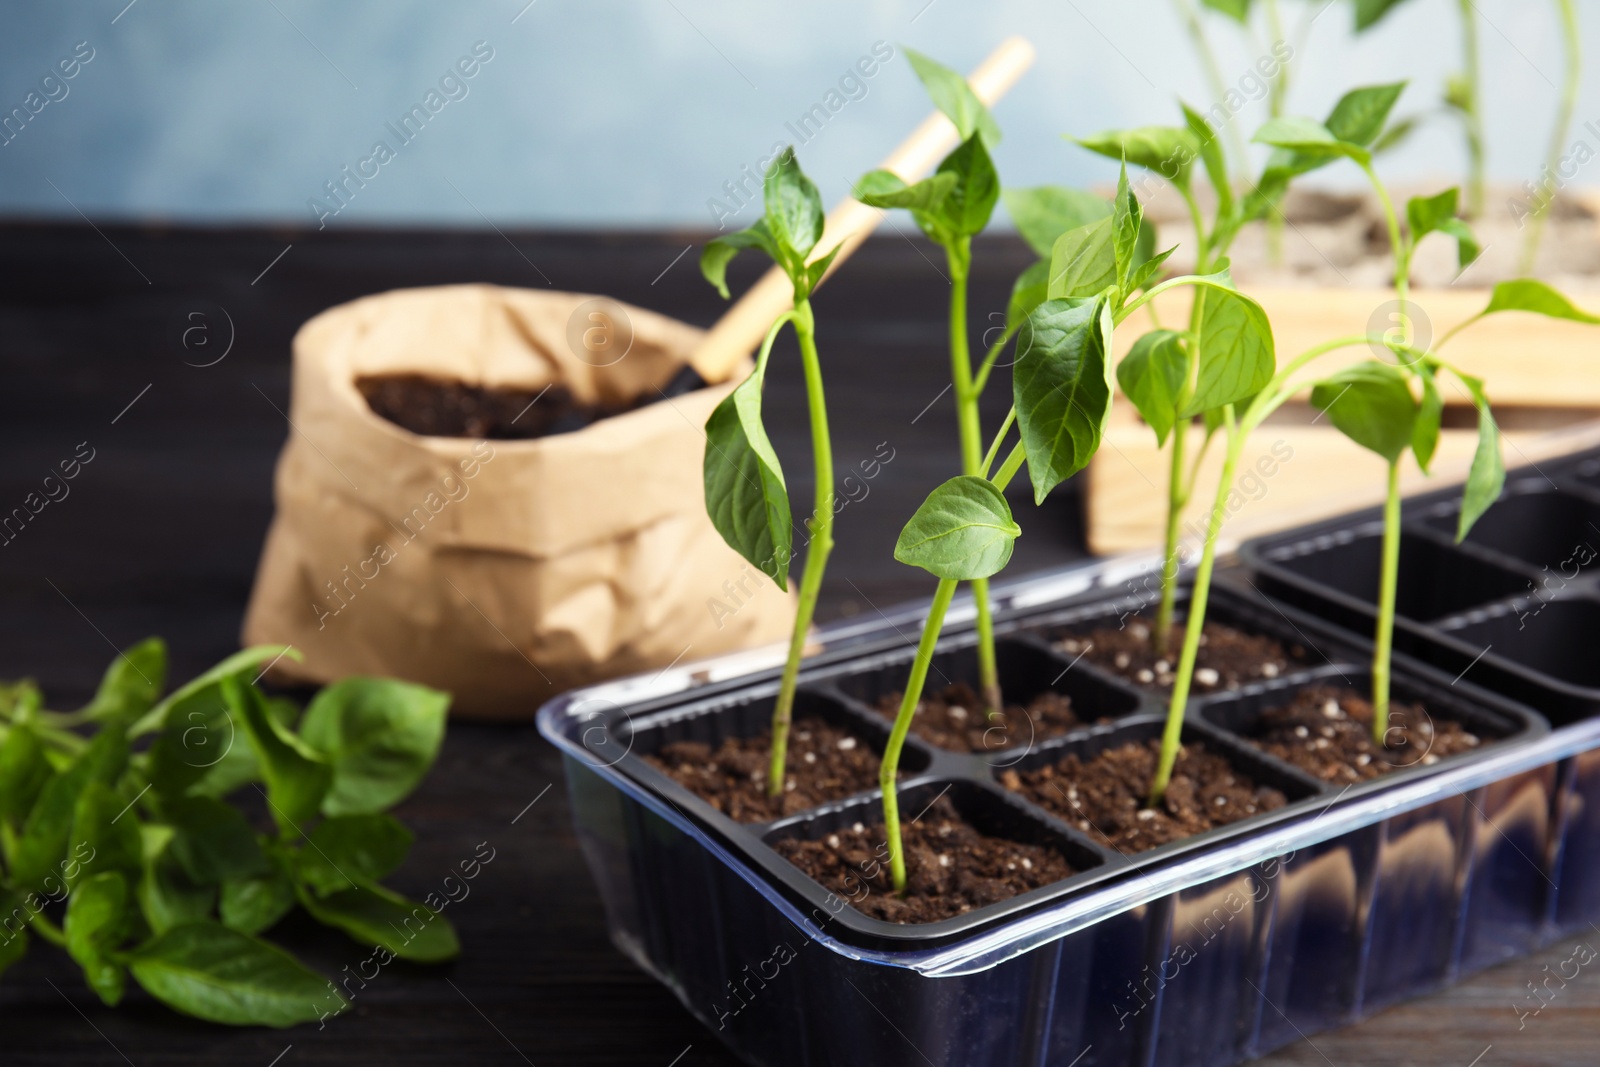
1543	376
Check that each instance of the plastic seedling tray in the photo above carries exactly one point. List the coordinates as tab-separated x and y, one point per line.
1211	950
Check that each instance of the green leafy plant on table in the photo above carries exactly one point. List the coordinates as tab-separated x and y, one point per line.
746	496
1062	390
122	846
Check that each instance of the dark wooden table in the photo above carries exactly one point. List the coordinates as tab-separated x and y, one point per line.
160	535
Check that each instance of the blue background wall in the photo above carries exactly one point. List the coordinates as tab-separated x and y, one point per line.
612	113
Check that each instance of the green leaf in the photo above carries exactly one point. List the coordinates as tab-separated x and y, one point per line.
248	660
1437	214
1127	218
1237	358
1212	156
1166	151
211	972
298	776
1360	114
380	735
1487	475
1061	386
200	732
96	922
794	212
377	916
23	773
251	905
1045	212
1525	294
965	210
1152	376
133	682
1396	134
1238	10
1146	272
746	497
168	897
1083	262
1370	403
1169	151
886	189
1430	415
952	95
1310	138
1370	12
964	530
350	850
813	272
213	841
41	851
717	253
105	833
1031	289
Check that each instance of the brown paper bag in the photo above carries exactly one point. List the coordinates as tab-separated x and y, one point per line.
502	571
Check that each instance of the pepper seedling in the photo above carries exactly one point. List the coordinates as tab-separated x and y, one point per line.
952	206
1463	96
1379	414
1061	400
1158	375
746	496
1391	408
135	863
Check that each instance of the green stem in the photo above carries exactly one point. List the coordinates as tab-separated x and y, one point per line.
999	439
1279	92
1173	734
1169	561
821	544
1213	73
1558	135
989	358
971	433
1402	252
1472	114
48	930
902	726
65	740
1384	643
913	696
1276	94
1198	222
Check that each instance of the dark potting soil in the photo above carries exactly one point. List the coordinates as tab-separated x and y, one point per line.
1327	730
1105	796
953	719
825	763
1228	658
951	868
436	407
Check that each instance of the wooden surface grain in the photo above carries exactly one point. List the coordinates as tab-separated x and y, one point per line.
161	531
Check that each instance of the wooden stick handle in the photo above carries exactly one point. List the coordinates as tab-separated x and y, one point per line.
744	324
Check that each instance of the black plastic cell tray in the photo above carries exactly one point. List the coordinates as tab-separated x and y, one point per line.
1516	606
